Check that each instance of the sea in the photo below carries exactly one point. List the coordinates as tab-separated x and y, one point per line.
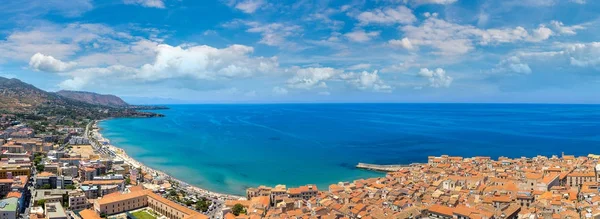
230	147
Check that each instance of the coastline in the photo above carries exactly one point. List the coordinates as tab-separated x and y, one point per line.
121	153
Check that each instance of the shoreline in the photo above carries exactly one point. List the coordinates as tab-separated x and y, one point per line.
121	153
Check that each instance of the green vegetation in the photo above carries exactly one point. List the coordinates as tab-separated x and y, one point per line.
202	204
40	167
38	158
238	209
128	181
46	186
40	202
70	187
143	215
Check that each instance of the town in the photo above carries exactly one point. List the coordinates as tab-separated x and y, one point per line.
71	171
447	187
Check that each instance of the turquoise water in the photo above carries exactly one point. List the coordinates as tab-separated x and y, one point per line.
227	148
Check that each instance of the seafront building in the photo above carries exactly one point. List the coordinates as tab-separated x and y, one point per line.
448	187
137	198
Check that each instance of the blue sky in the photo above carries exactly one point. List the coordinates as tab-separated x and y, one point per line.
239	51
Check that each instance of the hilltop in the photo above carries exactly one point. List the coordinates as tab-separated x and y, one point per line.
17	97
94	98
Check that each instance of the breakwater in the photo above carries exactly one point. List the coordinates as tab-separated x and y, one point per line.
384	168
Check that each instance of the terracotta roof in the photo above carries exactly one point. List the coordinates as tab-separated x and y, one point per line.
14	195
440	209
89	214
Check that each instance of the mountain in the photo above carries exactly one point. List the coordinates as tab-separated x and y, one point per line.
24	99
94	98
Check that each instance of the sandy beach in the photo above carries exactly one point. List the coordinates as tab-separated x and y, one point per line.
121	154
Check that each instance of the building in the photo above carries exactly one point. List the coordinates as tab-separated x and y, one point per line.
78	201
9	208
118	203
55	211
77	140
55	182
10	170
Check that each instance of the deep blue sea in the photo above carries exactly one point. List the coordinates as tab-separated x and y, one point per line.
227	148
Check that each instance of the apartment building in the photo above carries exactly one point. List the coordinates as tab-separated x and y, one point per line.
118	203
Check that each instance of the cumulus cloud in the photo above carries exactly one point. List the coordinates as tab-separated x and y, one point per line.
309	78
280	90
437	78
361	35
514	64
583	55
79	78
367	81
248	6
41	62
205	62
540	34
387	16
452	39
103	44
566	30
403	43
182	62
146	3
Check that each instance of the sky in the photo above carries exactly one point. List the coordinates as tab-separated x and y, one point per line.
263	51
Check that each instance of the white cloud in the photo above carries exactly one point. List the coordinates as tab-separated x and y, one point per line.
146	3
280	90
20	10
437	78
249	6
387	16
64	41
440	2
513	64
85	76
41	62
274	34
567	30
361	35
359	66
540	34
309	78
324	93
205	62
403	43
367	81
579	1
452	39
582	55
181	62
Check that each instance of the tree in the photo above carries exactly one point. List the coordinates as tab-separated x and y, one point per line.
70	187
202	204
40	167
238	209
41	202
128	181
46	186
